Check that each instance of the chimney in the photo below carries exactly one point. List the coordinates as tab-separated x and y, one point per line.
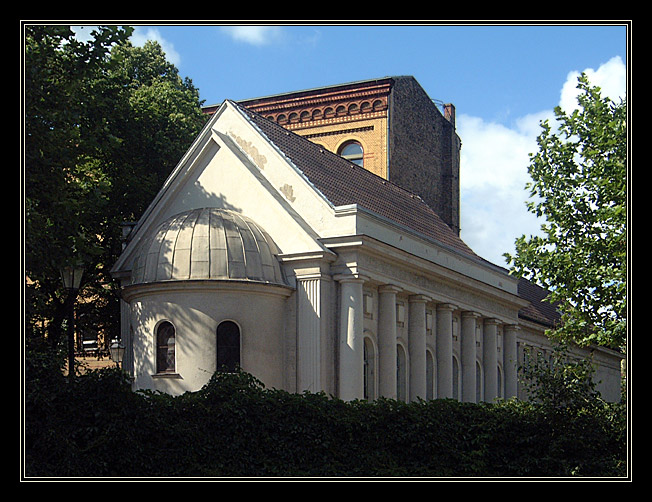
449	113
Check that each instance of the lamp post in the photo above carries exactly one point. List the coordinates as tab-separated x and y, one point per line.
71	276
117	351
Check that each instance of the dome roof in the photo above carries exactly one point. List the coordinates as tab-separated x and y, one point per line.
208	243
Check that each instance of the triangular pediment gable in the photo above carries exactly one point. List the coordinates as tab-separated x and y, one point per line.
233	165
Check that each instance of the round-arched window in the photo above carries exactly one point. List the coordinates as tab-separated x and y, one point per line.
228	347
401	374
353	152
165	348
369	366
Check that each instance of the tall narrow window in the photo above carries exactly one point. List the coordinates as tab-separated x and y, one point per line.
478	382
401	374
430	375
353	152
165	344
228	347
456	379
369	370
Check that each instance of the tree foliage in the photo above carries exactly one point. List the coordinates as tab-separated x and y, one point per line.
105	123
579	185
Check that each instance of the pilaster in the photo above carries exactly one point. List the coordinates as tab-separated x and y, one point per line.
309	334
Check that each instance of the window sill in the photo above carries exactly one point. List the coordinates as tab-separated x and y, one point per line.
166	375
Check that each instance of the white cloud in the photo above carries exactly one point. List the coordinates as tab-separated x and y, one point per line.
254	35
610	77
143	34
494	161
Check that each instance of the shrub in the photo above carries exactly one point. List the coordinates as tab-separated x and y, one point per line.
234	426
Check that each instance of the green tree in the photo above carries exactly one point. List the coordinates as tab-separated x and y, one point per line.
154	115
63	190
579	185
105	124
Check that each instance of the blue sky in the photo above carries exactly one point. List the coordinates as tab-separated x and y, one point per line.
502	80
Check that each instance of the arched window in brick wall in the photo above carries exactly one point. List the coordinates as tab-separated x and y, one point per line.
352	151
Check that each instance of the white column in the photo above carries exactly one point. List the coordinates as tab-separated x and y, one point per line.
417	345
308	334
351	349
387	341
444	342
510	360
468	356
490	359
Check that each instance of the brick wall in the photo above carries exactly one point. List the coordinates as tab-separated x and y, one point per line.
369	131
424	149
333	116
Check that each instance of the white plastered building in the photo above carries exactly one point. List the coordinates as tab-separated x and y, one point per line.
264	250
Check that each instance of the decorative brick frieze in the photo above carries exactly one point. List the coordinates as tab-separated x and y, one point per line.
296	115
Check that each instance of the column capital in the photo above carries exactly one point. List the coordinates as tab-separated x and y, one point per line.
446	306
389	288
305	275
470	313
350	278
512	327
419	299
492	321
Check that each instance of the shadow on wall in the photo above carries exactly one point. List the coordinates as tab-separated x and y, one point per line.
187	345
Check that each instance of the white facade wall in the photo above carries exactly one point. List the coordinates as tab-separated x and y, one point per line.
348	336
195	310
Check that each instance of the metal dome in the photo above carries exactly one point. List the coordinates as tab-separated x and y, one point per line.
207	243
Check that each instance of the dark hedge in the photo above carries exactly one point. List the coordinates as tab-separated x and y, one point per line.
234	427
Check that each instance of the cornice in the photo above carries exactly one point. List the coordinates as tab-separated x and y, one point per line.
316	98
322	107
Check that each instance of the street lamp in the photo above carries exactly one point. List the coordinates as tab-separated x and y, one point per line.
71	276
117	351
